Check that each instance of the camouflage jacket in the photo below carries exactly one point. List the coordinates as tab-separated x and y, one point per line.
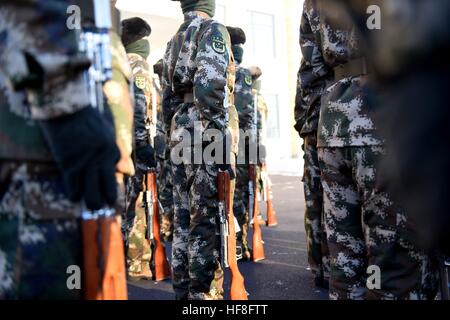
41	52
143	83
328	39
39	47
117	92
243	98
312	76
161	137
41	35
199	61
263	113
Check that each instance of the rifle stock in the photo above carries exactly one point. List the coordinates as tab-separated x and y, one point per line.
237	290
271	214
257	241
103	249
162	269
103	255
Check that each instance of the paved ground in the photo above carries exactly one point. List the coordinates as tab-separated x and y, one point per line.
283	275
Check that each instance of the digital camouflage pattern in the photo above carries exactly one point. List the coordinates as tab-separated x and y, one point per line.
40	234
21	137
39	226
363	224
329	39
382	240
138	247
165	194
240	206
316	236
197	61
410	57
165	185
244	100
143	83
139	251
117	92
312	78
33	37
40	231
312	75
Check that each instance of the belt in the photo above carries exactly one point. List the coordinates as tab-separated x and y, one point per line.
353	68
188	98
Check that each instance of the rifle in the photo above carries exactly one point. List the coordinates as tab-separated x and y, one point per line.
271	214
228	237
151	205
253	207
103	251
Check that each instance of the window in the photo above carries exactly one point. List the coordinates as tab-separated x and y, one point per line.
220	14
262	34
273	120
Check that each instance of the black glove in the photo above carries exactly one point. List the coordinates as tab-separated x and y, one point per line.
145	157
84	147
226	163
160	146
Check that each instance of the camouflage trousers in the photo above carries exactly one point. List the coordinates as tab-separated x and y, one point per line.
40	234
196	270
368	232
240	205
165	194
318	259
138	248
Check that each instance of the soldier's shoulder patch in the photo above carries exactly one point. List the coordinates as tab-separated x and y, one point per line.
141	82
248	79
218	44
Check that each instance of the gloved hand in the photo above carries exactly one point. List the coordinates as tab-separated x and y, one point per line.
84	147
145	157
224	143
160	146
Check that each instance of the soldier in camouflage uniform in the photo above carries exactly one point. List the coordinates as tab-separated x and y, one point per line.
198	78
363	225
412	69
55	151
307	110
262	115
165	191
134	33
243	99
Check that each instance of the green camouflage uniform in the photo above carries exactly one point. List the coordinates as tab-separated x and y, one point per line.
117	92
40	234
197	61
307	110
364	227
243	98
139	249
